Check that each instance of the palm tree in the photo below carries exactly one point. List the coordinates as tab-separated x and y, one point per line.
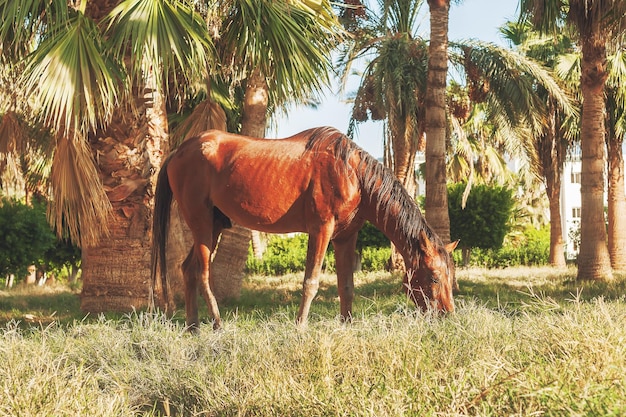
548	147
280	52
157	50
615	131
102	72
569	69
596	21
393	84
436	201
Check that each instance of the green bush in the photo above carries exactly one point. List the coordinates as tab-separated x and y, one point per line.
28	240
531	249
26	236
375	259
285	255
484	221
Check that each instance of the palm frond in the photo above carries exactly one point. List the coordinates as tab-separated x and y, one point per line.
206	115
166	38
513	82
79	205
72	78
288	44
13	138
24	22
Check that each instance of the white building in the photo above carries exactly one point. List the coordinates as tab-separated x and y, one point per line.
570	205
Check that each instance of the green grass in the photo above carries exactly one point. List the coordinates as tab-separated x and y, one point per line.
522	342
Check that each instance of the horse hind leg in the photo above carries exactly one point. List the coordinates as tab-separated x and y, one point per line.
206	249
197	266
191	270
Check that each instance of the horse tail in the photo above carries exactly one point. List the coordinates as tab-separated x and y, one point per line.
160	223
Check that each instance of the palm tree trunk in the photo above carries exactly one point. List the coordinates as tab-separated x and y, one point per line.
116	271
551	150
593	259
436	205
230	259
556	257
616	205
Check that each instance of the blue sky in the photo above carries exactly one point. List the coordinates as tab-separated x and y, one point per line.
476	19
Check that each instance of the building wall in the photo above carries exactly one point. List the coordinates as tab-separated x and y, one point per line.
570	206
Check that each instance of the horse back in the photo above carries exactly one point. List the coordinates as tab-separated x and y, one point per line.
273	185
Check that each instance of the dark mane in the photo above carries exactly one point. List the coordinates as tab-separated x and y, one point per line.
379	185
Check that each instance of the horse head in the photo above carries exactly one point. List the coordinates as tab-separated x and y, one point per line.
430	277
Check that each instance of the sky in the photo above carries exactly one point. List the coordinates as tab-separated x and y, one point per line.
472	19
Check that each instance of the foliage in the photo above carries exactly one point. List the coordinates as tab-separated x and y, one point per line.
534	343
26	236
28	240
530	249
288	254
375	259
371	237
282	255
484	221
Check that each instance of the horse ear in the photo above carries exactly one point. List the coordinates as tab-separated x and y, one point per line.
451	246
426	244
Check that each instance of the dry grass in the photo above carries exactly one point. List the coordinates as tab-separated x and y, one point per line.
538	353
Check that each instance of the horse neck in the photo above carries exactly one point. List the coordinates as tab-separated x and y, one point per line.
392	223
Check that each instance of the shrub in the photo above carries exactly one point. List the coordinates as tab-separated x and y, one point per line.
532	248
26	236
285	255
484	221
375	259
28	240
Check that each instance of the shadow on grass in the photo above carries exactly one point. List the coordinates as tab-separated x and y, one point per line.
508	290
37	306
262	298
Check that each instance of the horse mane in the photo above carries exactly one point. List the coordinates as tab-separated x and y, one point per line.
378	184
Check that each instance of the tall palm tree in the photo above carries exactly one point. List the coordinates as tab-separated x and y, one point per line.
110	107
569	69
436	201
596	21
548	147
615	131
102	72
393	84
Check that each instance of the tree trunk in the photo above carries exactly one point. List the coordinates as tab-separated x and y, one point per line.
551	153
116	271
557	244
228	268
258	244
616	205
593	258
436	204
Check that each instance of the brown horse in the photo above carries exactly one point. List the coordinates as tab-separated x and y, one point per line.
317	182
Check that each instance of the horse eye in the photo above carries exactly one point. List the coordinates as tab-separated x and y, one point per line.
435	279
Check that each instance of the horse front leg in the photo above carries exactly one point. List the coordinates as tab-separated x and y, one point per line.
318	243
345	251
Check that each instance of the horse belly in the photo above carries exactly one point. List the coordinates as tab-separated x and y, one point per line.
262	204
